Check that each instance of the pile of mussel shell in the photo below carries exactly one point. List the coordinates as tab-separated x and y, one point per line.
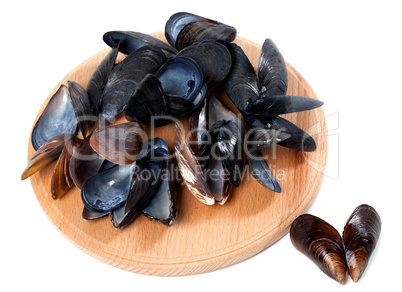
121	172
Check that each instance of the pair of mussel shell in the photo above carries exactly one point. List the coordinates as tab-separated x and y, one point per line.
219	165
333	254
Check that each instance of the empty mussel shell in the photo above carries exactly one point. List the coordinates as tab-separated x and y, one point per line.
213	58
124	78
184	29
260	170
272	71
190	169
82	107
360	236
175	90
99	78
90	215
46	154
107	190
131	40
241	84
84	163
119	143
282	104
321	243
57	118
62	181
293	137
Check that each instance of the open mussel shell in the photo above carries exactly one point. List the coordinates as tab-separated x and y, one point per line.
107	190
282	104
124	78
272	71
82	107
99	78
175	90
241	84
360	236
190	168
119	144
321	243
213	58
84	163
62	181
131	41
259	169
46	154
57	118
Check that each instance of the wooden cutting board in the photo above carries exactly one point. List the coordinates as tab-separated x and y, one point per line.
203	238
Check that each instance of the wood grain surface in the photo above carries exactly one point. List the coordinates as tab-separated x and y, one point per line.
203	238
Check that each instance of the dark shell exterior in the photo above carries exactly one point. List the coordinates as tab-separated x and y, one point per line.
124	78
241	84
199	31
360	237
272	71
82	107
131	41
321	243
99	78
213	58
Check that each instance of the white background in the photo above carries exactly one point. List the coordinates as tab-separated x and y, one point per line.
350	53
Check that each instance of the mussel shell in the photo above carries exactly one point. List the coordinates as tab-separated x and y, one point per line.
198	31
217	180
148	100
107	190
124	78
145	182
162	207
298	140
241	84
57	118
99	78
131	41
176	23
84	163
181	77
260	138
119	143
213	58
227	147
90	215
259	169
46	154
190	169
360	236
321	243
62	181
272	72
282	104
121	219
82	107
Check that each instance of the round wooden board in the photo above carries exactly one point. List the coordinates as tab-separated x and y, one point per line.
203	238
